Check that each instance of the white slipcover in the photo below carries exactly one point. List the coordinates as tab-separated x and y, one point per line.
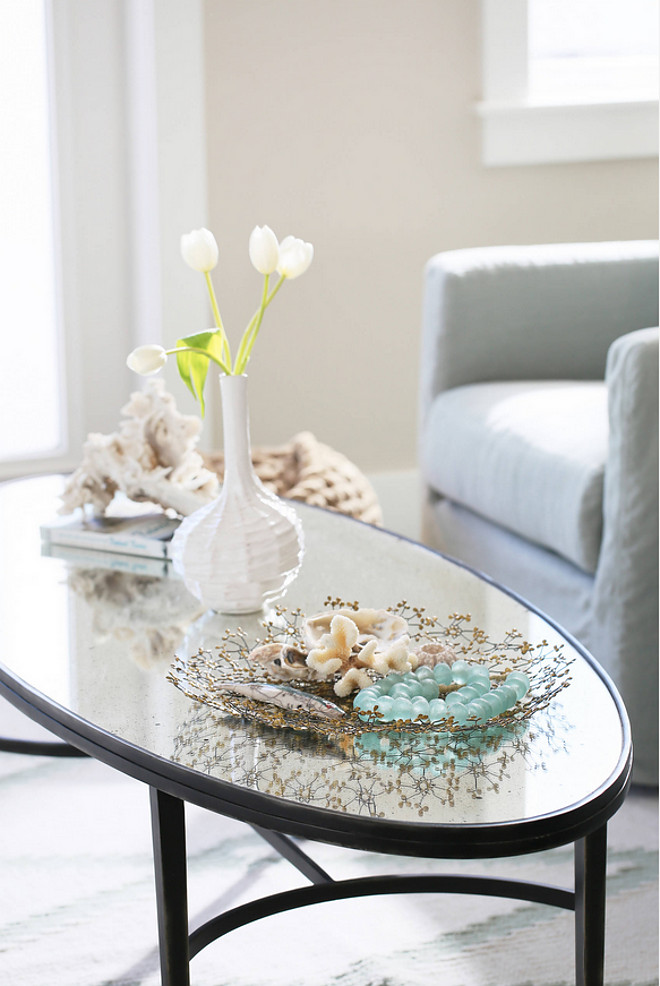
504	325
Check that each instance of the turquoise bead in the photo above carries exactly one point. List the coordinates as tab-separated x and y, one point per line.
479	685
402	708
384	706
429	688
442	674
518	681
478	709
438	710
508	695
423	672
458	713
420	707
364	703
467	693
401	690
502	700
455	698
460	671
494	703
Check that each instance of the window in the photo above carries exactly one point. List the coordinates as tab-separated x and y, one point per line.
569	80
99	203
600	50
33	423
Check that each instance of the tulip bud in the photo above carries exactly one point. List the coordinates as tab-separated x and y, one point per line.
147	360
264	249
199	250
295	257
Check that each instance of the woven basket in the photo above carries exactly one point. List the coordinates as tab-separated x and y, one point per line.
308	471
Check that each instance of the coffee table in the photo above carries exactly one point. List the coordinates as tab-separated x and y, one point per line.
86	641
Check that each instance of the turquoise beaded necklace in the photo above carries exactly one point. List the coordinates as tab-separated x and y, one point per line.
468	693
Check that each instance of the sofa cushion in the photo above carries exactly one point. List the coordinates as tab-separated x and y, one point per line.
528	455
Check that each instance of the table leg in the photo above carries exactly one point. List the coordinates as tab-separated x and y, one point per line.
590	863
169	841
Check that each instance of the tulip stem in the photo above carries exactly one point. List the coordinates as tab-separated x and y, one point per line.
202	352
226	355
274	291
252	331
249	335
243	351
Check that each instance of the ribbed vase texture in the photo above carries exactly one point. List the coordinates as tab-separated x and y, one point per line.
241	551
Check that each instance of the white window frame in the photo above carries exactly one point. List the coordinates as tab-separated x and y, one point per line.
128	121
518	131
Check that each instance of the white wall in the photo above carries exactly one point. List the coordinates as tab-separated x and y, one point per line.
351	123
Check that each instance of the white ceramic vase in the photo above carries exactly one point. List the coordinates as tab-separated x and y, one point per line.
241	551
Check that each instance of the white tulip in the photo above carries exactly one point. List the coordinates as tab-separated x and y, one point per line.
295	257
147	360
264	249
199	250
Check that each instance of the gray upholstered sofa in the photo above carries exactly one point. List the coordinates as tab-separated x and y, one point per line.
539	442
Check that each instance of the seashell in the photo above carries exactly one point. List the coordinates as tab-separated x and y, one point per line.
283	696
282	661
378	624
432	652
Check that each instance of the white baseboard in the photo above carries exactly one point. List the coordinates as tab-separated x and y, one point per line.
400	496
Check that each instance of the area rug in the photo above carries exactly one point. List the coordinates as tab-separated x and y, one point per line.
77	902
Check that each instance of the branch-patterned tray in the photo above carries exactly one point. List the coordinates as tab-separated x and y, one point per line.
201	675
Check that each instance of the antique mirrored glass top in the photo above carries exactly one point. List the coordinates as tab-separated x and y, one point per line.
97	635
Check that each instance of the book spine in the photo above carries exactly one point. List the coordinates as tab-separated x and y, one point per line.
129	544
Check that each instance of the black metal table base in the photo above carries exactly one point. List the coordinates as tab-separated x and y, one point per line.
178	946
38	748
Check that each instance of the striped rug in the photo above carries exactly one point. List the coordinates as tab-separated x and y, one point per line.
77	900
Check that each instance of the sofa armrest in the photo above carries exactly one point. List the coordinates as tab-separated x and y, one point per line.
630	497
532	312
625	599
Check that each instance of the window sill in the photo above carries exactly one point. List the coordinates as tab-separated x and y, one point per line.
542	133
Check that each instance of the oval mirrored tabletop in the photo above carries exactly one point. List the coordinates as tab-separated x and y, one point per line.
87	641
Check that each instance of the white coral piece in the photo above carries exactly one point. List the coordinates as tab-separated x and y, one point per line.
342	650
334	648
353	680
398	657
151	458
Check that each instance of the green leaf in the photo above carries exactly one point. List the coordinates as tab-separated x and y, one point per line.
193	367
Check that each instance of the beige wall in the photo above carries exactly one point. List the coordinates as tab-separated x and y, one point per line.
351	123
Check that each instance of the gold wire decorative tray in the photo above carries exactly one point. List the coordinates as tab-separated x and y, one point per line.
200	675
